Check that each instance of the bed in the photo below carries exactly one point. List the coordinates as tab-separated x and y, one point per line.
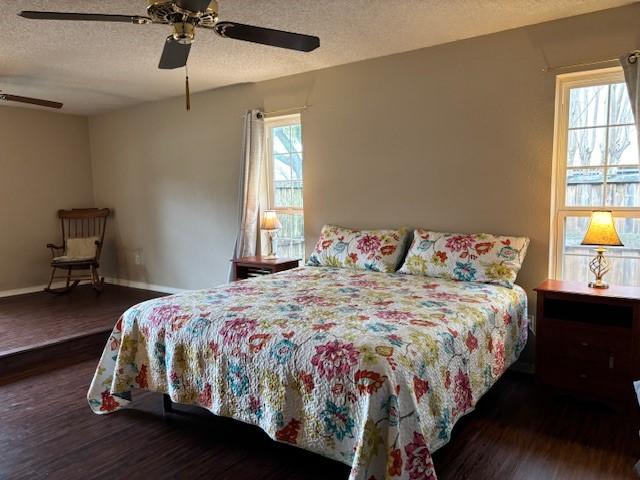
370	369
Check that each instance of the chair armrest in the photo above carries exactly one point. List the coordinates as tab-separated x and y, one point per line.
54	248
98	249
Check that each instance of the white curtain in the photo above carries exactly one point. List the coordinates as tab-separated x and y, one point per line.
631	66
252	160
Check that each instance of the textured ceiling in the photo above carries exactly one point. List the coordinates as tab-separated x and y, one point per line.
95	67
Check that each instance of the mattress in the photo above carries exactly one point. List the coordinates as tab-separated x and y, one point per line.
370	369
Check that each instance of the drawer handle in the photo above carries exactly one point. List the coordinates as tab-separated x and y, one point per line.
584	344
611	362
583	376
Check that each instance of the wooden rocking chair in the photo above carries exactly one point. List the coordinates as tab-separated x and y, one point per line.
82	237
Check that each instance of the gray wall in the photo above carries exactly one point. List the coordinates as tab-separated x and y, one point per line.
455	137
44	166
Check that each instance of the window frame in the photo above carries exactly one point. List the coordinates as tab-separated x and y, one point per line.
269	124
559	210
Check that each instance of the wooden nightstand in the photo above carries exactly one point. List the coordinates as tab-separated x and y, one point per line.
588	340
248	267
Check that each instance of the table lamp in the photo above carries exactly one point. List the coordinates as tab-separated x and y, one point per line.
271	225
601	232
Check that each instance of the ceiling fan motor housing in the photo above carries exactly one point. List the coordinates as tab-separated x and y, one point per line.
184	22
167	11
184	32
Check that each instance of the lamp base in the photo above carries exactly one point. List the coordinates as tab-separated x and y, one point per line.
271	254
599	266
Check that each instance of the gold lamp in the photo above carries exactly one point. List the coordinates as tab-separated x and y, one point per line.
271	225
601	232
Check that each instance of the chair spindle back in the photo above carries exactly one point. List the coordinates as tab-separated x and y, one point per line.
84	223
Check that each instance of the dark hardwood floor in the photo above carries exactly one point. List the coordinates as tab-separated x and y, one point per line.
48	431
36	319
519	431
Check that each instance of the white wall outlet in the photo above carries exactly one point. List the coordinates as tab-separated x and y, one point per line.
138	258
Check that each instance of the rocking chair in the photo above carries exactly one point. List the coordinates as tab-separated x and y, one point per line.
82	237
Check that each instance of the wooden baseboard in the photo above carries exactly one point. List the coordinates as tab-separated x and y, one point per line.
25	290
143	285
110	280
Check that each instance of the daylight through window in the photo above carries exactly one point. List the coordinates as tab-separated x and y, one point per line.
284	170
596	168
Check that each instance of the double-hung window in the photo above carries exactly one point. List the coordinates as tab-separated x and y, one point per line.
284	180
596	168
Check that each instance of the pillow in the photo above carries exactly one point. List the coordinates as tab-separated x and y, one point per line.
479	257
81	248
377	250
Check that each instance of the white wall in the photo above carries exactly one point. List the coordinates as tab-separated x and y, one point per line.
44	166
455	137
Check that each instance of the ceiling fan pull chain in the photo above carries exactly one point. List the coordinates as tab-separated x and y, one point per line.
186	85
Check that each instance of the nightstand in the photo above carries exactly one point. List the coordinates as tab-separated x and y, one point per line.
248	267
588	340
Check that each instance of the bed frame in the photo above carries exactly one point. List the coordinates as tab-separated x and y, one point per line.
167	404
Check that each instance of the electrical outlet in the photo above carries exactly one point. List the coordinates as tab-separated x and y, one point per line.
137	257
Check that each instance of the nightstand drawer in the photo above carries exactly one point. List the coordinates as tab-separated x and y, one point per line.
609	367
250	267
585	377
589	343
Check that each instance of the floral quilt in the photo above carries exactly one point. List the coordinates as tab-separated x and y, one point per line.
370	369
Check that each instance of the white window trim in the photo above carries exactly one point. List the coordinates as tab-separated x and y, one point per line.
269	123
559	212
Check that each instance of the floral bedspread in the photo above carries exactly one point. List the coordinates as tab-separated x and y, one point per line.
370	369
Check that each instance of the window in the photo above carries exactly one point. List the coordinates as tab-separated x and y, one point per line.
596	167
284	177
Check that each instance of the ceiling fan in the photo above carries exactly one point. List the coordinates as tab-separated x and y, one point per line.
5	97
185	16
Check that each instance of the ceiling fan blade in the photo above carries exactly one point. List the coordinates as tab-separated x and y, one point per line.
32	101
174	54
194	5
91	17
267	36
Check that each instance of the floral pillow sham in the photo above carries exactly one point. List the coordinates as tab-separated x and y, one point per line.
376	250
479	257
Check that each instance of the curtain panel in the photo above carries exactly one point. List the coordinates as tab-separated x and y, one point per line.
630	64
252	155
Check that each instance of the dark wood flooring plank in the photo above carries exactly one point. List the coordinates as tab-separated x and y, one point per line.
521	432
48	431
37	319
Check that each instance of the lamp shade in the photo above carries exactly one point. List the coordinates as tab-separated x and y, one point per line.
601	230
270	220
